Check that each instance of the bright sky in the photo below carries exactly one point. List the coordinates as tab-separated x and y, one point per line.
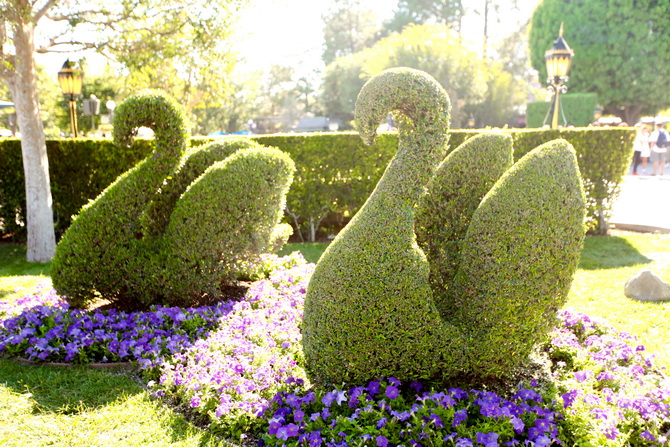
290	32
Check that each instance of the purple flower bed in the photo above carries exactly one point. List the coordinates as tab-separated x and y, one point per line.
42	327
231	375
386	413
239	366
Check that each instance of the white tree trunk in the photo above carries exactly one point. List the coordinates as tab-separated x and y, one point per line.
39	214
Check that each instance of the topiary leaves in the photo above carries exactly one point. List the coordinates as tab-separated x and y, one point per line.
518	257
452	196
501	245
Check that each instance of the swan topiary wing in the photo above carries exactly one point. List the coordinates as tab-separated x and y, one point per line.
368	311
518	258
226	217
94	254
156	216
443	215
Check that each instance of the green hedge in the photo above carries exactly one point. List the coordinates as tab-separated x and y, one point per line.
577	107
335	173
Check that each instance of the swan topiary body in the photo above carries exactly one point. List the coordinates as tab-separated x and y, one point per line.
379	304
173	229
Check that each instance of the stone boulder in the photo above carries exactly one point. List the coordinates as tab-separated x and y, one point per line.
645	285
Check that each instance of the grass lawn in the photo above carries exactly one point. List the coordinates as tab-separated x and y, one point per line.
82	406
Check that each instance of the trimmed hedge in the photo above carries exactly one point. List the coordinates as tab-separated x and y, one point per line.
368	311
502	244
518	258
577	107
443	215
335	173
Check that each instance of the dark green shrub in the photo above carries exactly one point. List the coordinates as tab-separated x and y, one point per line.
175	235
157	214
444	212
503	264
578	109
368	311
226	218
93	256
518	258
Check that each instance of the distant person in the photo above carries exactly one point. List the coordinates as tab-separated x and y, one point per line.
641	149
659	140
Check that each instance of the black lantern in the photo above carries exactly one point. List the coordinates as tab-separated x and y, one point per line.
69	79
558	59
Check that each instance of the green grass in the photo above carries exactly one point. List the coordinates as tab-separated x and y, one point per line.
81	406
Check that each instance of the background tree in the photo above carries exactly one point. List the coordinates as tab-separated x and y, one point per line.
622	50
133	28
448	12
349	27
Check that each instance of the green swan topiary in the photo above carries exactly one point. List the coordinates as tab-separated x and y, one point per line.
93	255
368	311
495	268
185	232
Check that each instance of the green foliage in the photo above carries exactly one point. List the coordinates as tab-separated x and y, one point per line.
369	291
494	272
157	214
454	193
619	47
518	257
176	234
226	218
577	107
93	256
475	85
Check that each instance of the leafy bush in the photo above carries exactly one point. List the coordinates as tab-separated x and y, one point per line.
335	174
147	240
444	212
227	217
93	256
518	257
370	292
499	269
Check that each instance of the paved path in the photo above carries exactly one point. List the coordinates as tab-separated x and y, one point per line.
643	204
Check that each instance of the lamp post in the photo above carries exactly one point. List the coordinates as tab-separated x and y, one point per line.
558	60
69	79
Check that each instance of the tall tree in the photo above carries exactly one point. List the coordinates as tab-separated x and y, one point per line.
349	27
447	12
128	27
622	50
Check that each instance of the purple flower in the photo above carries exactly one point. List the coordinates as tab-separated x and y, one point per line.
381	441
583	375
569	398
464	442
488	439
392	392
647	435
459	417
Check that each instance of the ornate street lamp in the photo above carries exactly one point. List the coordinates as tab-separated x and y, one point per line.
69	79
558	60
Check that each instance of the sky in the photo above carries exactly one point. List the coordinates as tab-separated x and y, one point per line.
290	32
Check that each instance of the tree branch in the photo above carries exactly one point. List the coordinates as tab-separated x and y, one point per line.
43	10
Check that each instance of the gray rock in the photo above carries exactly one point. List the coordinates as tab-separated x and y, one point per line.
645	285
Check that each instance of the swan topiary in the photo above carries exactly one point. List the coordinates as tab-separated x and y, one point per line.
174	228
462	279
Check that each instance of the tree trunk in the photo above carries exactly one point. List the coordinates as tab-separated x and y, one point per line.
23	86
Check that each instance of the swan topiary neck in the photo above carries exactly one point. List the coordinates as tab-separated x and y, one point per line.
369	294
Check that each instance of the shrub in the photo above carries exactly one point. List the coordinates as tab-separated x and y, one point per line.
93	256
226	218
444	212
495	278
518	257
367	309
208	221
157	214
